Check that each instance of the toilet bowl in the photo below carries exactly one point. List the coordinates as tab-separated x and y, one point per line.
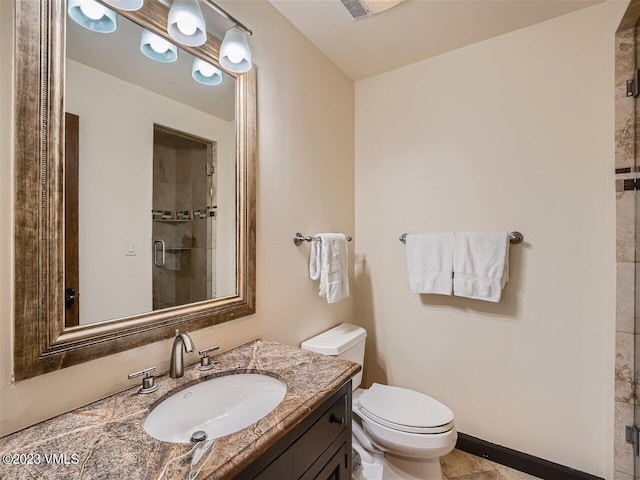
399	433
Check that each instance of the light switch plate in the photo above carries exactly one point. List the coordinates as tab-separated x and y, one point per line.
130	248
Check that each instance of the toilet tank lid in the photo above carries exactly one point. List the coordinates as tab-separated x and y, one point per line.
336	340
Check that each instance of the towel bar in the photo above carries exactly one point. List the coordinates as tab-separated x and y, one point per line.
514	238
299	238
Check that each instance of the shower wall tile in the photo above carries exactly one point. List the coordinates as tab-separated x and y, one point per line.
184	199
199	233
183	166
163	288
625	226
625	60
624	369
625	293
199	274
624	132
165	164
623	452
182	235
162	231
622	476
163	178
164	196
625	107
183	280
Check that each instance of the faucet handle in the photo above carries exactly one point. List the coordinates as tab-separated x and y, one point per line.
205	360
148	381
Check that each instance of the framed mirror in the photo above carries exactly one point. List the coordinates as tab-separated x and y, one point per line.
135	186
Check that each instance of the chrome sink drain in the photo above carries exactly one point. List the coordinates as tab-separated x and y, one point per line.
198	436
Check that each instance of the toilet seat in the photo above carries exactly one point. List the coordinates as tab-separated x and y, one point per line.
404	410
405	444
407	428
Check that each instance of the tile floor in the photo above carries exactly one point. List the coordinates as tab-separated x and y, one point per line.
459	465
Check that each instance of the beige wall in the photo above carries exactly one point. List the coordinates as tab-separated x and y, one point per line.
511	133
305	119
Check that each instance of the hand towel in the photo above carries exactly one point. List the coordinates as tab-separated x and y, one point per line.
480	265
329	263
430	262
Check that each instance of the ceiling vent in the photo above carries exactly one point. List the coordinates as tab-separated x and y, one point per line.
366	8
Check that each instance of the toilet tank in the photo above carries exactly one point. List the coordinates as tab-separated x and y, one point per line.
344	341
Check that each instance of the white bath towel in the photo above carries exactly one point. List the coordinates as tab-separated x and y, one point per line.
329	263
430	262
480	265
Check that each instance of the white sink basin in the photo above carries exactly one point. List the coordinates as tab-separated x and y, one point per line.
219	406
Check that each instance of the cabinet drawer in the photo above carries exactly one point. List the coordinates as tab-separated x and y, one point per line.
320	435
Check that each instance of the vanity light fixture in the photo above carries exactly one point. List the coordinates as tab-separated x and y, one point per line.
92	15
157	48
205	73
186	23
128	5
235	55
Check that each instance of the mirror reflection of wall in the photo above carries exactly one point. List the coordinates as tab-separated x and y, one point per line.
120	97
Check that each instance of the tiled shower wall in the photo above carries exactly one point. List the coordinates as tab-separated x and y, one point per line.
626	338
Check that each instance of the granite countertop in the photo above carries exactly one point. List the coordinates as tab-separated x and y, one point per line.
105	439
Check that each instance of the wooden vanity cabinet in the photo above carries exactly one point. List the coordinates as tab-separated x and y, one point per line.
317	448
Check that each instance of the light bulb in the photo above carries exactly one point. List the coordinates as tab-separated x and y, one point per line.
92	10
186	26
206	69
159	44
205	73
235	54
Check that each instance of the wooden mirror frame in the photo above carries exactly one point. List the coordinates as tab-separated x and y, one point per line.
41	342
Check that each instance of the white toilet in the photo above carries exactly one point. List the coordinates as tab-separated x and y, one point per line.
399	433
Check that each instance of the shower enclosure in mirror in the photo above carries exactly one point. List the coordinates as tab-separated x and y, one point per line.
184	220
151	187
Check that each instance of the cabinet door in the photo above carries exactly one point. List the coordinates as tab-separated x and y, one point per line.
281	468
337	467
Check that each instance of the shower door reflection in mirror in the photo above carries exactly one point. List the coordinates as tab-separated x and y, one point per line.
155	183
184	209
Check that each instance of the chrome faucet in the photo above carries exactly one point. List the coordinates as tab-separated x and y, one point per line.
182	341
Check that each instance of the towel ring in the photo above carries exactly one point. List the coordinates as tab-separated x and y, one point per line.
514	238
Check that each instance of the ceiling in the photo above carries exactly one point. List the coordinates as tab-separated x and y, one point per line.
414	30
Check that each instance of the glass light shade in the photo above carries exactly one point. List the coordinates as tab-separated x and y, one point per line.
128	5
235	54
157	48
186	23
92	15
205	73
